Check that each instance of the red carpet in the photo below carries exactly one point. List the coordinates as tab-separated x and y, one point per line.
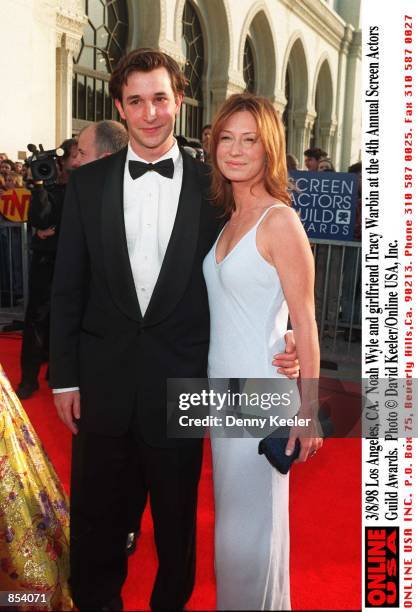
325	515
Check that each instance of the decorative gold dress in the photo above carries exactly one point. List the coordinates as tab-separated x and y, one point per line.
34	518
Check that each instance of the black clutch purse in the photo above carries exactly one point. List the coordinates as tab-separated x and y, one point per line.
274	450
274	447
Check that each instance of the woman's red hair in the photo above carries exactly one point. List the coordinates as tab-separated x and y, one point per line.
271	133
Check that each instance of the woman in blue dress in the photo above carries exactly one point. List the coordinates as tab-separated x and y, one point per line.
259	271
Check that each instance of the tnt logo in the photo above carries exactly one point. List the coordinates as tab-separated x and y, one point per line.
14	204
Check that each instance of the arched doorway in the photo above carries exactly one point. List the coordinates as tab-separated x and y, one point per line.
258	54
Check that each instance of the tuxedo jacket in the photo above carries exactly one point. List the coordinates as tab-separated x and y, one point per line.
119	357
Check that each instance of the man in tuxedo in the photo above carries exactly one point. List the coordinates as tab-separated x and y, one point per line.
130	310
95	141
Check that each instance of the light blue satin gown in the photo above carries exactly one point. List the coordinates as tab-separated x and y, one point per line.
249	316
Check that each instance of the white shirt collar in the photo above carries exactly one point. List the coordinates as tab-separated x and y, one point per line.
173	153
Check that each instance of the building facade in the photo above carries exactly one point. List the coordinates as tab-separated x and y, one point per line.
304	55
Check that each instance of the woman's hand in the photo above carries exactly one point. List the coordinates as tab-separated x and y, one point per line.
310	438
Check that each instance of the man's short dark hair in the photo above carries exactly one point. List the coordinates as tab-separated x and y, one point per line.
355	168
110	137
316	153
145	60
67	145
205	127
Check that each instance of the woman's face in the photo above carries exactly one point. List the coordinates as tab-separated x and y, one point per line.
324	166
240	153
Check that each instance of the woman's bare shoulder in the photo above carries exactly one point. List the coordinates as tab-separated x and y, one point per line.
281	218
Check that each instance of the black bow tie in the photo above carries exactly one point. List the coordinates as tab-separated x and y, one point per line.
165	167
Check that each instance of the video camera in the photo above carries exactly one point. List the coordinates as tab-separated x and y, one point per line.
43	163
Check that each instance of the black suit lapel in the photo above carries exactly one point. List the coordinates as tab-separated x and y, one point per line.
178	261
115	250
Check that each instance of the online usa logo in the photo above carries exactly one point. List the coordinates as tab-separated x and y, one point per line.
382	567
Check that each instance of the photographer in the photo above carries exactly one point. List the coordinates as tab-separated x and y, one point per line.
44	217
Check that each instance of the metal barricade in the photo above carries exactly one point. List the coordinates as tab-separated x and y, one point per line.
337	285
337	292
14	264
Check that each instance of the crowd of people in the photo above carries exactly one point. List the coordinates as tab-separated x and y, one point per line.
18	174
12	174
15	174
107	137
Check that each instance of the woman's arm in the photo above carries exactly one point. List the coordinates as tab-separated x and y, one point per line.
283	242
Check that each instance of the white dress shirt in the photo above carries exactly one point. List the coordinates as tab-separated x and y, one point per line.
150	205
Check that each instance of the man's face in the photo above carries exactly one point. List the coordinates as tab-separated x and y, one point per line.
86	150
149	107
311	164
206	136
65	166
68	164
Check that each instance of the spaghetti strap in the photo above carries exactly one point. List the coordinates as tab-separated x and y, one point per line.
267	211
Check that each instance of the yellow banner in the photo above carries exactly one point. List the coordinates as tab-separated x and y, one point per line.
14	204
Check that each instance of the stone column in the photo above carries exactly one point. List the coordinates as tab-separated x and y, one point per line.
280	103
291	132
326	136
220	90
303	124
70	23
351	131
338	144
